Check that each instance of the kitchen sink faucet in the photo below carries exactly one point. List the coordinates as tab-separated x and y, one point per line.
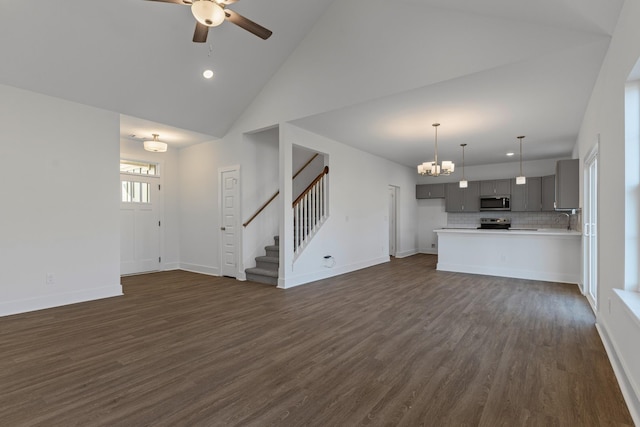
568	219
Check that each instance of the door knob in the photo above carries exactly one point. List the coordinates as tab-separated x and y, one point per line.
223	228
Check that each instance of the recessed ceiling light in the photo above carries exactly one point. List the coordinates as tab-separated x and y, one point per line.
510	154
207	74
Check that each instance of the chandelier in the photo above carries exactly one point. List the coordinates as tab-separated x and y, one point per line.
433	168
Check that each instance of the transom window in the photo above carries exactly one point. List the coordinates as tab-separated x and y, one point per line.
139	168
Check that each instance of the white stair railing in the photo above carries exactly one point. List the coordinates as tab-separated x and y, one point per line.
309	211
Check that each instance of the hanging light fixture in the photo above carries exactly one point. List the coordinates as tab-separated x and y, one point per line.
520	180
433	168
155	145
208	12
463	182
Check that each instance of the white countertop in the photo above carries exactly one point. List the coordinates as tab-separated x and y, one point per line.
513	231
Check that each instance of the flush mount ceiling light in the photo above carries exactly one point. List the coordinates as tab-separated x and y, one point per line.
520	180
433	168
207	74
463	182
155	145
208	12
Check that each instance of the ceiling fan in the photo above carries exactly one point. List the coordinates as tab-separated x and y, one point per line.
211	13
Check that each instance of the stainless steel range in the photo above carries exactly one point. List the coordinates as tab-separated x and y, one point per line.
495	223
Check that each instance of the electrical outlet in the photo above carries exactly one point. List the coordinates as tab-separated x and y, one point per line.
50	279
433	245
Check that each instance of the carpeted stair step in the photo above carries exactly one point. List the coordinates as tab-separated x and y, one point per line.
261	275
272	251
268	263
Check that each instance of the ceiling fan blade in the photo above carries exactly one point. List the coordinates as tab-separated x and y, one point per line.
247	24
200	34
226	2
185	2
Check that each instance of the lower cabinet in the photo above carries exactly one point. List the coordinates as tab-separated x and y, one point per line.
462	199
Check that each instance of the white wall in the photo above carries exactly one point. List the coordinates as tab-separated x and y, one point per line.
260	174
169	172
199	210
605	118
431	216
60	194
356	234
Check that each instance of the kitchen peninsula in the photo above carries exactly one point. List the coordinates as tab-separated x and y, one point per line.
546	254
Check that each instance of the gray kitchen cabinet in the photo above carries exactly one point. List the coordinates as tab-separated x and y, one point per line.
548	193
526	197
462	199
567	184
496	187
430	191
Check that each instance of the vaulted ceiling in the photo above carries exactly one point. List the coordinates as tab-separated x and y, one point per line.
373	74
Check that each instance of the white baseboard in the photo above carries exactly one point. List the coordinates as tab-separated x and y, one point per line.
626	385
290	282
432	251
203	269
405	254
169	266
8	308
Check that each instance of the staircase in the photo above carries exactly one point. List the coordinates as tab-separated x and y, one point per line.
266	269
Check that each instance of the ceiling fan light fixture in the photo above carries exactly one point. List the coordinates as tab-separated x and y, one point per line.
208	12
155	145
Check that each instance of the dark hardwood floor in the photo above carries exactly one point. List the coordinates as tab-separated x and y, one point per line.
396	344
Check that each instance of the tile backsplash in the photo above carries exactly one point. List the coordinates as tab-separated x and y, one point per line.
518	219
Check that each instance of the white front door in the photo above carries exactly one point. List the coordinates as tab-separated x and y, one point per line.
139	224
230	212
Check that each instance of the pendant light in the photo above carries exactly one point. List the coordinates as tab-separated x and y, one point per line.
155	145
520	180
433	168
463	182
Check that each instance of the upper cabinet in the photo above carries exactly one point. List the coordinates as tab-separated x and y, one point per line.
463	199
497	187
526	197
430	191
548	193
567	184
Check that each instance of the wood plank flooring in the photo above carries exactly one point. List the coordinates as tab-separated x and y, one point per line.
396	344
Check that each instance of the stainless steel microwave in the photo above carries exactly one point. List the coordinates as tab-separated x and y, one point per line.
495	203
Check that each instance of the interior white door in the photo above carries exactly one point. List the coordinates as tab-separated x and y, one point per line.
393	210
139	224
590	229
229	181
